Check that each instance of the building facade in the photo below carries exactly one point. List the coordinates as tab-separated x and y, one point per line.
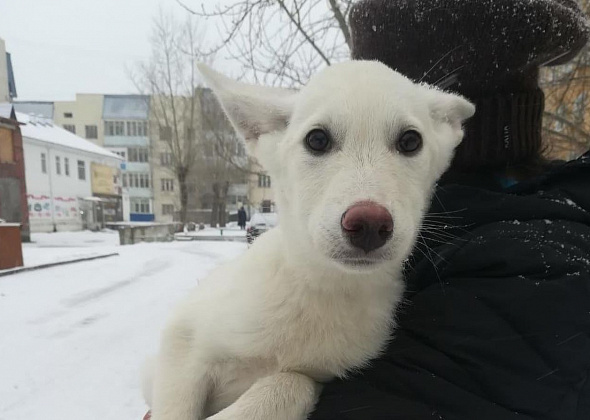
74	184
7	83
82	117
125	123
13	191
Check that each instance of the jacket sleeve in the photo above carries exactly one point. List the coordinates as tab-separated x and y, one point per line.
501	331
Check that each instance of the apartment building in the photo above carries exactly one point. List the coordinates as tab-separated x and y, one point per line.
125	123
82	117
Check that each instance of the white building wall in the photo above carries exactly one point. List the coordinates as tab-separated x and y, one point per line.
63	213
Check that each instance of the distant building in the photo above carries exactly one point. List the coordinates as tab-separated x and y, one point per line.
7	83
13	191
41	109
73	183
125	119
118	123
83	117
260	191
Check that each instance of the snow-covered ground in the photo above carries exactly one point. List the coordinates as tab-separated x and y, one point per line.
65	246
73	337
209	231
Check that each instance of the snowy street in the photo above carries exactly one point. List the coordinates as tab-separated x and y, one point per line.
73	337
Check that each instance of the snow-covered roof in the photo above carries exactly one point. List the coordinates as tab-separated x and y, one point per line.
45	130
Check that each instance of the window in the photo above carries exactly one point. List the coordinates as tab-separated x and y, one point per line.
67	166
6	146
140	205
58	165
138	154
131	128
91	132
167	209
43	163
114	128
142	128
81	170
70	127
166	133
144	181
166	159
136	180
124	179
167	184
263	181
68	115
120	153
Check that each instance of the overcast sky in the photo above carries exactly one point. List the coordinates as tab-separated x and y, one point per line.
63	47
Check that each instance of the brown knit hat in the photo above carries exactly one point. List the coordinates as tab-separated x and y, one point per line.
490	51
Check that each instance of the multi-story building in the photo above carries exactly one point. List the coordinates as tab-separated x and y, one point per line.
125	119
165	181
118	123
72	183
134	127
260	191
82	117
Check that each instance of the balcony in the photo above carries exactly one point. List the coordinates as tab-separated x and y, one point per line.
126	141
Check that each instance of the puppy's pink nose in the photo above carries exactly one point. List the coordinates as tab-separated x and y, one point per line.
367	225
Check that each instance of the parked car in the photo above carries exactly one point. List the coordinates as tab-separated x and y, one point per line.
260	223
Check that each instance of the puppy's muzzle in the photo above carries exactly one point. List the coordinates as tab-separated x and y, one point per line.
367	225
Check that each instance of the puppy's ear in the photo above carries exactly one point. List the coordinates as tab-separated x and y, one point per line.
450	108
253	110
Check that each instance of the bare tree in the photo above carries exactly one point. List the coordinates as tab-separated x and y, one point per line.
223	161
170	79
281	42
566	123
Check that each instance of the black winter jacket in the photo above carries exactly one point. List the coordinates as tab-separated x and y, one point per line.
496	324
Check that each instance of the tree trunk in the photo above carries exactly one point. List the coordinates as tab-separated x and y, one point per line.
182	181
215	205
222	205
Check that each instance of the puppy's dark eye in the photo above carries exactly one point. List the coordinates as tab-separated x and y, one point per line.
318	141
409	142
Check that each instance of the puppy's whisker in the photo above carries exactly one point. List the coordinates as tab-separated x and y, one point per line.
438	62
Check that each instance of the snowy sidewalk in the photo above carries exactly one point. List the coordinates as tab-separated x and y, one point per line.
74	336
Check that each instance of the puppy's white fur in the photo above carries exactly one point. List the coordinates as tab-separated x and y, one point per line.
302	305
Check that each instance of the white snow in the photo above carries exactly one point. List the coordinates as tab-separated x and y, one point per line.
74	336
209	231
45	130
66	246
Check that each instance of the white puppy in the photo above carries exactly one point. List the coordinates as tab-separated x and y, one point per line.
353	157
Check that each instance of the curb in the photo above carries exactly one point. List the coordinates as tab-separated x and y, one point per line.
55	264
210	238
